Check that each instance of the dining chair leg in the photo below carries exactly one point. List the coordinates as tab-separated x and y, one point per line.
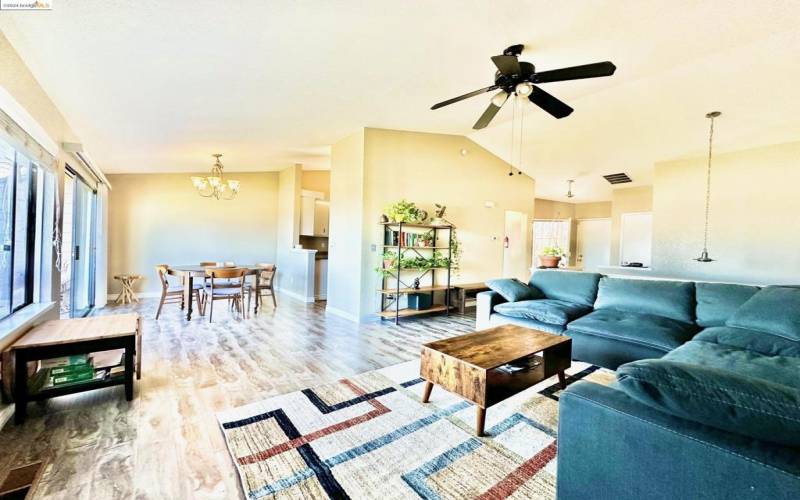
274	300
211	310
161	304
249	296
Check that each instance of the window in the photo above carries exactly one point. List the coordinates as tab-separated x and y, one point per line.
22	223
550	233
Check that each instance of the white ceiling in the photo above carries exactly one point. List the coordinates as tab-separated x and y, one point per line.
154	86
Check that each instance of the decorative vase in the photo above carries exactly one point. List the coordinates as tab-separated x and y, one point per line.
549	261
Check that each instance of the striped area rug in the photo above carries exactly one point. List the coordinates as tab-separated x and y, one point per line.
370	436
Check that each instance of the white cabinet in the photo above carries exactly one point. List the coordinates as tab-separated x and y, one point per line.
313	215
321	209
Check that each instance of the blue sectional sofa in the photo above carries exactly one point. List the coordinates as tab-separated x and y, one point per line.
707	399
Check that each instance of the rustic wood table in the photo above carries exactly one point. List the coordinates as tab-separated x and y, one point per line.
472	365
465	291
126	294
68	337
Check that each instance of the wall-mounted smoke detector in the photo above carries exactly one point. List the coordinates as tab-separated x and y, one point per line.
620	178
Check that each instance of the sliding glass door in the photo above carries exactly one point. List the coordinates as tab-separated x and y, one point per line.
81	239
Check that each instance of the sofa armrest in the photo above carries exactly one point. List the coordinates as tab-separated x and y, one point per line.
486	303
613	447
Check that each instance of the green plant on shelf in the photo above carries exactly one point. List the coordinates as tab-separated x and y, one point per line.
390	262
405	211
553	251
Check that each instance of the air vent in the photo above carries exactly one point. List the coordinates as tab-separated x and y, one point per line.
617	178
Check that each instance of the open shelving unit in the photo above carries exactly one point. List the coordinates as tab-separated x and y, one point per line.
398	281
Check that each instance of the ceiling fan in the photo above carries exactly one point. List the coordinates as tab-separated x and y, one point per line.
518	77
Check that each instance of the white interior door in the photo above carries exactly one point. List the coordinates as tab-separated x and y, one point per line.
594	244
515	244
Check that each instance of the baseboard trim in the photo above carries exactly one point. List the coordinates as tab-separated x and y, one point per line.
296	296
342	314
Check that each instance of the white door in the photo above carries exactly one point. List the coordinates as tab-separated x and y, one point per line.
515	244
594	244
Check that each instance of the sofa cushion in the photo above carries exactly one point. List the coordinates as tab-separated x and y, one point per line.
671	299
751	340
775	310
716	302
720	398
554	312
498	319
646	329
513	290
569	286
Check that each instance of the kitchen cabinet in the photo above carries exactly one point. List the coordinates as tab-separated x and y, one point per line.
314	215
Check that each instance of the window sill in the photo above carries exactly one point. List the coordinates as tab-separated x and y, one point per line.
19	322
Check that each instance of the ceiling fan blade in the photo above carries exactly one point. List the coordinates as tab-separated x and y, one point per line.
576	72
465	96
508	65
486	117
549	103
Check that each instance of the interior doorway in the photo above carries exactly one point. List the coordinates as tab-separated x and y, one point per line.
515	244
593	244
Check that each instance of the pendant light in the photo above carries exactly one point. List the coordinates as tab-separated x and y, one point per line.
704	254
570	194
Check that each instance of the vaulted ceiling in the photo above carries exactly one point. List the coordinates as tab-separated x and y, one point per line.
155	86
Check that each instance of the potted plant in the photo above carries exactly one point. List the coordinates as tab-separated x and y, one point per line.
405	211
426	239
550	256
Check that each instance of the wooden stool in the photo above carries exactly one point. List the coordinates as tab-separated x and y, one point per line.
126	295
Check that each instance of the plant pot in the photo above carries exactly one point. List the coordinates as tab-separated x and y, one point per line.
549	261
388	264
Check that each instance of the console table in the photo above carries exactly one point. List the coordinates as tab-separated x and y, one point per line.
68	337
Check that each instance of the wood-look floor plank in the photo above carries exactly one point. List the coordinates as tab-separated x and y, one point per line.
166	443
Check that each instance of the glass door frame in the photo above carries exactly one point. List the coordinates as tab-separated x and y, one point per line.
79	313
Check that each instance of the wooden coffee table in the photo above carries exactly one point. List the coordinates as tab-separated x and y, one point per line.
470	365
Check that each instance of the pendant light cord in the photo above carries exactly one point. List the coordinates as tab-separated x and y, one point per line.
708	185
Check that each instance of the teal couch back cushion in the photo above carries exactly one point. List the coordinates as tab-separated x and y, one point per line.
671	299
717	302
774	310
719	398
514	290
569	286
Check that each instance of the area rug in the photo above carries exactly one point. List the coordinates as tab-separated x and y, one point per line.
370	436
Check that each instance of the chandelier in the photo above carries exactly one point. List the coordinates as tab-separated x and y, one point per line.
215	185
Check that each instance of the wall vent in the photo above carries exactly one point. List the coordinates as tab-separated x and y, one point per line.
621	178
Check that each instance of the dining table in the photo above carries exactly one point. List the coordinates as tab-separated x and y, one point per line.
188	273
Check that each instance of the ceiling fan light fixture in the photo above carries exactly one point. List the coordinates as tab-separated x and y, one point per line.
523	89
500	98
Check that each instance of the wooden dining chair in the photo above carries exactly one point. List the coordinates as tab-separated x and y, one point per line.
173	294
232	290
264	284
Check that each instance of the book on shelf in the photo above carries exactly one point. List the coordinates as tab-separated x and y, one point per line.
61	371
74	379
77	359
107	359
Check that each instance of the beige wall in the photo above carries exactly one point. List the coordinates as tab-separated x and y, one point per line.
317	180
594	210
346	223
623	201
551	209
427	169
160	219
754	232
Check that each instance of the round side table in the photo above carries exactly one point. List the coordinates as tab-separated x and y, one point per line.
126	295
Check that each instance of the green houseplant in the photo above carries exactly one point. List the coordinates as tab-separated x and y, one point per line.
550	256
405	211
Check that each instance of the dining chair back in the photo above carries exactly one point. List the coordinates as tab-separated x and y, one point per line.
232	288
173	294
265	283
208	264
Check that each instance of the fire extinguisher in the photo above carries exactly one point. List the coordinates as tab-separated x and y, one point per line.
505	242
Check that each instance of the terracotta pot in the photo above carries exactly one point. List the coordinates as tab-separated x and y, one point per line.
549	261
